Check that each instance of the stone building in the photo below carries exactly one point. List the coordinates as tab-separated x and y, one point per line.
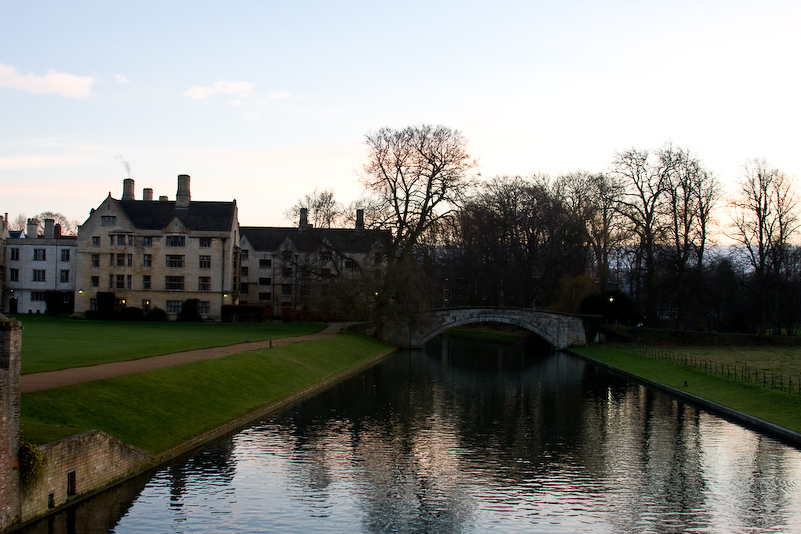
287	269
158	253
40	270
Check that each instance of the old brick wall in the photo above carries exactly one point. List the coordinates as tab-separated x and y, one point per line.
10	347
80	465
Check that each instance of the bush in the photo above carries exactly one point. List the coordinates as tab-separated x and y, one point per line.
133	314
77	316
156	314
31	462
190	311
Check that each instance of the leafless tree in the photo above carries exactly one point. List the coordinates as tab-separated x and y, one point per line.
418	176
322	209
765	217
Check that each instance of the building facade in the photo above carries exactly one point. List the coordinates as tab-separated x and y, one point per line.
288	270
40	270
159	253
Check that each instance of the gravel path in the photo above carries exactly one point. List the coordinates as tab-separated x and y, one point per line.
77	375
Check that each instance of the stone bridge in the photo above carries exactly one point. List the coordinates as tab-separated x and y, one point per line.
559	330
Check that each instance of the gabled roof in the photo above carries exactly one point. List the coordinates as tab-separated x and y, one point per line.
341	240
198	216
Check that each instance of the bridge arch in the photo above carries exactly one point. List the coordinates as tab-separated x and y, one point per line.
558	330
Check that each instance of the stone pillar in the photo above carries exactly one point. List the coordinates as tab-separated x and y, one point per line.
10	347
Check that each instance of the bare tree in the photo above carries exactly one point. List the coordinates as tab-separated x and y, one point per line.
765	216
68	227
322	209
418	176
19	223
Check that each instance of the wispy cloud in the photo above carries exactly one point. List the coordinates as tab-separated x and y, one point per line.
240	89
59	83
119	78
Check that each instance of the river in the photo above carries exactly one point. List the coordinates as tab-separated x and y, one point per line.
469	437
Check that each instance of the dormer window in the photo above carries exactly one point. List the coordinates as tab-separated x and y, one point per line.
108	220
176	241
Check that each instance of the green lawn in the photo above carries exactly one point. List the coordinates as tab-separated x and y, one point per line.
766	404
780	360
160	409
52	343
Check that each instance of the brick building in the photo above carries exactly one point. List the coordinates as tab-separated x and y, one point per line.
158	253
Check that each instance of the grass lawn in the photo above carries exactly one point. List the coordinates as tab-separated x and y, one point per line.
52	343
159	409
779	360
769	405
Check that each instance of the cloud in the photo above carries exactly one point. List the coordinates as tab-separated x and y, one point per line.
119	78
231	88
59	83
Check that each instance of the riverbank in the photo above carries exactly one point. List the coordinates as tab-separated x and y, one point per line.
770	411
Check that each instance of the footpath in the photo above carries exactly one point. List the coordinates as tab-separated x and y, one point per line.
77	375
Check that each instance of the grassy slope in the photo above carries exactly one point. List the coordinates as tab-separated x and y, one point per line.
160	409
51	343
772	406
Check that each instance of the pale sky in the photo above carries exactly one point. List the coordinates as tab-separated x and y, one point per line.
263	101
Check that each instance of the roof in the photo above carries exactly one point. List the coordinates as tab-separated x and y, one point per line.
342	240
198	216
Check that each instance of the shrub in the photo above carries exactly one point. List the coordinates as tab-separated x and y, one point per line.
156	314
78	316
31	462
133	314
190	311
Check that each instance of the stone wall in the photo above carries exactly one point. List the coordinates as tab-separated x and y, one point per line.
10	347
77	466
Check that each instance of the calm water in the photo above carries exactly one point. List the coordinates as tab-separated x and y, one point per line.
469	437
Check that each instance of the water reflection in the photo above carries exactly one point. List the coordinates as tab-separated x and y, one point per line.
469	437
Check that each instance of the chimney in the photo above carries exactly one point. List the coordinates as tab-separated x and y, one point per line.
360	219
182	198
163	198
57	231
33	229
128	189
49	228
147	193
304	218
5	222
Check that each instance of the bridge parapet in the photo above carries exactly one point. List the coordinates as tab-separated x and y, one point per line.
559	330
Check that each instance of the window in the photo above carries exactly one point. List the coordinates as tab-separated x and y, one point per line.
174	307
38	275
286	289
147	241
204	242
65	254
146	305
146	281
175	260
108	220
95	241
147	260
204	307
243	288
120	281
204	262
95	281
72	488
265	296
95	260
65	276
325	255
287	255
39	254
93	304
38	296
174	283
120	304
204	283
111	260
176	241
265	281
120	240
265	264
244	271
244	254
128	280
287	272
111	281
130	240
13	275
130	260
120	260
15	254
350	264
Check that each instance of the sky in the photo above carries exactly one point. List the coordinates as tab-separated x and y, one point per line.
264	102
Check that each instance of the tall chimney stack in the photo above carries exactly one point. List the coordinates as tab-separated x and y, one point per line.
360	219
33	229
147	193
48	233
183	197
128	189
304	218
